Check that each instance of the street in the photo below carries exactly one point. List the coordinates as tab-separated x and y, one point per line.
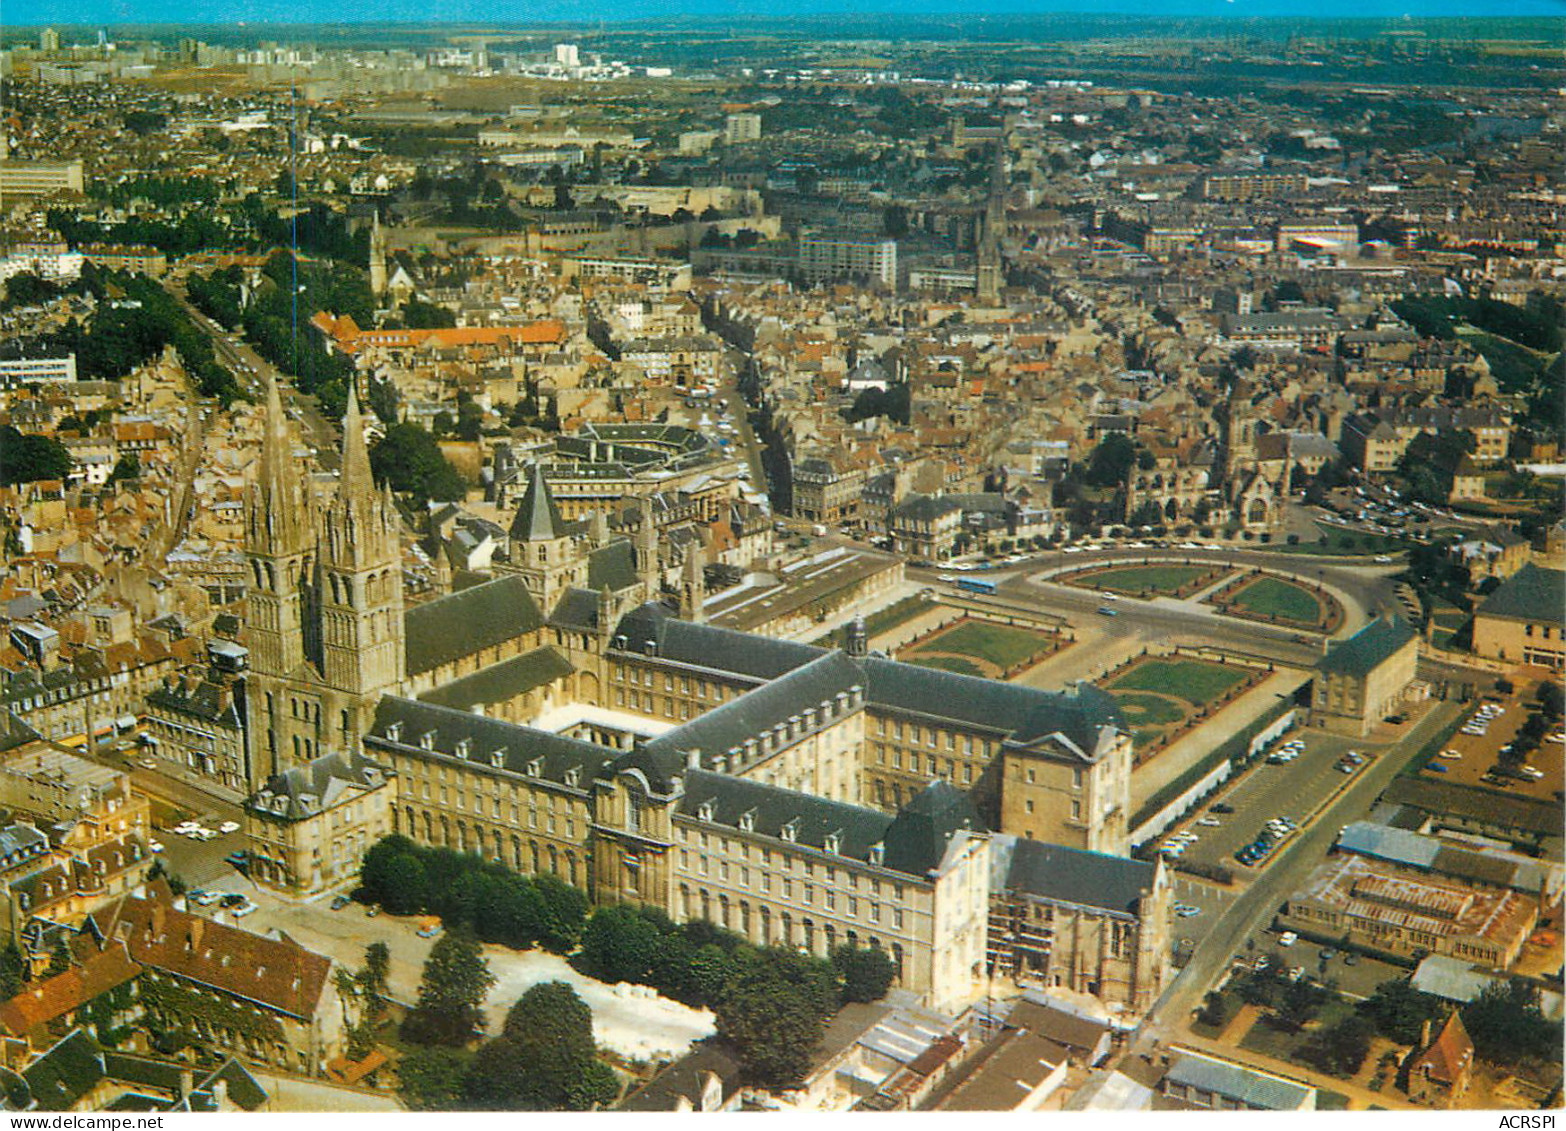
1252	911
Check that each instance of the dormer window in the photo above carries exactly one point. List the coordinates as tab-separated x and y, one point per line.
394	731
464	747
704	810
790	830
427	740
497	758
535	768
877	853
747	821
834	842
573	775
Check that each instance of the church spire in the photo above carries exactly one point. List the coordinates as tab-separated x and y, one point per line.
538	518
277	515
357	482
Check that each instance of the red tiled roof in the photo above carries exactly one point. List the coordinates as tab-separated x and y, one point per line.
281	975
64	993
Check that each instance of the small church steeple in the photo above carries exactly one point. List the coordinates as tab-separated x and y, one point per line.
377	256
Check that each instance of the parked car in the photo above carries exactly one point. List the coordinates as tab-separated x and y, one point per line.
1288	938
154	846
229	827
430	931
339	902
244	909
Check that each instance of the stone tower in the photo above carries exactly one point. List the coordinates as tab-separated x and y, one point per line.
543	550
647	552
693	588
989	271
281	595
377	257
361	582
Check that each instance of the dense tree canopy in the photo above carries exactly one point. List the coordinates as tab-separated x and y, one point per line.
408	458
27	458
456	978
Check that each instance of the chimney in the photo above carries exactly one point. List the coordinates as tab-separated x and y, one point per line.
1424	1034
220	1094
187	1082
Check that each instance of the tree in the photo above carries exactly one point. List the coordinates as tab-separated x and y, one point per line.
1299	1002
1398	1011
894	221
867	972
1340	1049
128	466
456	978
619	945
1111	460
420	315
1507	1026
431	1079
383	399
773	1009
27	458
544	1059
408	458
59	958
13	971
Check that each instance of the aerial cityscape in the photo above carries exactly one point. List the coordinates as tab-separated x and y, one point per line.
969	560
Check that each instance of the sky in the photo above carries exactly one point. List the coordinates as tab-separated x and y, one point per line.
19	13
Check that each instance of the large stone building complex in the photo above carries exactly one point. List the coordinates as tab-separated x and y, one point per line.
562	718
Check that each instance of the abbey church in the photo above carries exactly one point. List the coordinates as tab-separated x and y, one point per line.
570	715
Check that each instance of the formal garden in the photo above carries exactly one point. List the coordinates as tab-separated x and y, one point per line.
1145	581
1270	599
1163	697
977	647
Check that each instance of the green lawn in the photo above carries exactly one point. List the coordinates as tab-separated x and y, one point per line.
1340	542
945	663
1142	709
1000	644
1274	597
1136	580
1196	681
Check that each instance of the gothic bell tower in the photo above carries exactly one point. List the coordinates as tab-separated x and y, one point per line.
360	590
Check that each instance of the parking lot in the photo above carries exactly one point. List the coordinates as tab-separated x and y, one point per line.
1264	792
1354	975
1477	753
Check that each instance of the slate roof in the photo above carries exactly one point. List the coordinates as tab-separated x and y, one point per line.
442	630
538	518
914	840
1250	1087
520	744
577	609
1006	1074
1073	875
303	791
1363	652
1530	594
707	646
726	727
1503	811
612	566
1027	715
684	1079
66	1072
500	682
199	698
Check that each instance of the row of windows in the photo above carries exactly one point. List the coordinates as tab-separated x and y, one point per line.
785	888
933	738
848	878
767	930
